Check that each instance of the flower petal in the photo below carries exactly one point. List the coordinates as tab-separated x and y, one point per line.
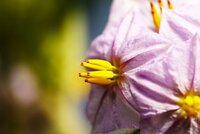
144	48
106	108
132	25
118	10
166	124
175	27
194	65
188	10
150	90
180	126
183	64
157	124
101	47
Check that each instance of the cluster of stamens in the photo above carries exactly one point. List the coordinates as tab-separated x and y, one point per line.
104	72
190	105
156	14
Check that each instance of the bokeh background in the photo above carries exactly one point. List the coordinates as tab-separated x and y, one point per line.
42	43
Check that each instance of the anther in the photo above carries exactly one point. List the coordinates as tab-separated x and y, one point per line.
156	16
100	81
170	6
92	66
104	72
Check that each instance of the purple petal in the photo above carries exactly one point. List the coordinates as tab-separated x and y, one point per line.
175	27
142	49
150	90
106	108
101	47
119	9
122	33
157	124
183	65
166	124
194	62
169	123
125	115
189	11
126	21
180	126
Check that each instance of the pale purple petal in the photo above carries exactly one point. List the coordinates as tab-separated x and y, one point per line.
151	90
182	22
183	65
125	115
125	22
194	65
132	26
157	124
175	27
180	126
122	33
142	49
119	9
101	47
169	123
106	108
189	11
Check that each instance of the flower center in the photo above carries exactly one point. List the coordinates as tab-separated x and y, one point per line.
157	15
104	72
190	105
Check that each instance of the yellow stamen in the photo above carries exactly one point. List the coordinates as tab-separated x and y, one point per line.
156	16
102	63
170	6
100	81
190	105
83	74
92	66
104	72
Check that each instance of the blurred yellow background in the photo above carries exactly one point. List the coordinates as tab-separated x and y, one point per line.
42	44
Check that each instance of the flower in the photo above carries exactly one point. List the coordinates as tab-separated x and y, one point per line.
143	79
167	93
110	58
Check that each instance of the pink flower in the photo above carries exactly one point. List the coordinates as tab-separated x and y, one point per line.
142	78
125	46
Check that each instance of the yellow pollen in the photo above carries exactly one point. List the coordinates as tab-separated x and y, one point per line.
156	15
190	105
104	73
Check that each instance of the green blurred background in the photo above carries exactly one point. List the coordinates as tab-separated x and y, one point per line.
41	46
